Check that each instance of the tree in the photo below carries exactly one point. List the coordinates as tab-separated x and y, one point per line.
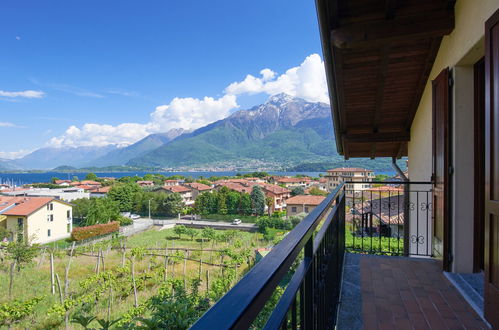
257	200
75	178
179	230
91	176
191	232
54	179
172	204
124	195
209	233
222	205
232	202
81	207
269	202
21	253
245	204
317	192
102	210
297	191
4	233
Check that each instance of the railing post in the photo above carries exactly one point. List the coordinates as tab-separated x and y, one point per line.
308	303
407	223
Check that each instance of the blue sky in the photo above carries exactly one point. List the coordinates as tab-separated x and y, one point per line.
131	68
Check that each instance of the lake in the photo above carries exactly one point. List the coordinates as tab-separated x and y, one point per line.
25	178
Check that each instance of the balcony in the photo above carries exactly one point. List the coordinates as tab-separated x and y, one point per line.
363	261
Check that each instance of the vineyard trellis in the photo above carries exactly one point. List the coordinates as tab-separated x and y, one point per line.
117	273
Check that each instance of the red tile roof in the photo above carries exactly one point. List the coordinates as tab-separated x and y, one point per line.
236	187
349	169
24	206
293	180
305	200
275	189
177	189
198	186
102	190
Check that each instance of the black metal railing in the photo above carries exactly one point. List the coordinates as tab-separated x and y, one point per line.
389	217
316	248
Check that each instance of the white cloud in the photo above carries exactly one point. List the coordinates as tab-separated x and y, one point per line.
101	135
18	38
307	81
6	124
191	113
14	154
29	94
187	113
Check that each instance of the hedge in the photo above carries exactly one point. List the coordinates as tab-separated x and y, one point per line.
82	233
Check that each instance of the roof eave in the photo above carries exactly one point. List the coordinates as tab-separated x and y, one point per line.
325	30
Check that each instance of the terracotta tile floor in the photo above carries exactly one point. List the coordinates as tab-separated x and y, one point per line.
409	293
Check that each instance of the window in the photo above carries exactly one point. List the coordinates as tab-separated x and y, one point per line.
68	228
20	223
50	206
306	208
293	209
68	214
48	233
51	218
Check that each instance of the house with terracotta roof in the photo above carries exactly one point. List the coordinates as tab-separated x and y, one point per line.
37	219
185	192
170	183
234	186
62	183
100	192
302	204
197	188
278	194
294	182
145	183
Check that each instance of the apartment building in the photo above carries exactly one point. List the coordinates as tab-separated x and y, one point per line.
36	219
337	176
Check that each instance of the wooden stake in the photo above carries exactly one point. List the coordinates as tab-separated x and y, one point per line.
52	277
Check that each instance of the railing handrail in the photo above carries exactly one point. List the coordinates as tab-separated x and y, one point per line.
241	305
390	182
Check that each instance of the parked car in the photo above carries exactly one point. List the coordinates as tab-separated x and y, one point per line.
236	222
134	216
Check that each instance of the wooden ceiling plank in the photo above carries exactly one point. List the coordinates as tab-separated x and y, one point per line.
381	86
425	74
377	137
374	34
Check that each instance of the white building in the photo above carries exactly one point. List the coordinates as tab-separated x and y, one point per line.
65	194
337	176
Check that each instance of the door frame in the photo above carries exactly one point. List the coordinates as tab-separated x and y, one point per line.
479	164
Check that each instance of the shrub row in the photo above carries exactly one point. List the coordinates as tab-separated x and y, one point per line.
82	233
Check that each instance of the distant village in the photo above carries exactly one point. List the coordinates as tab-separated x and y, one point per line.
45	211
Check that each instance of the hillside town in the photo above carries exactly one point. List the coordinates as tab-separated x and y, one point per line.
48	211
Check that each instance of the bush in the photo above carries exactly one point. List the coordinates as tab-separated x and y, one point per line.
82	233
124	221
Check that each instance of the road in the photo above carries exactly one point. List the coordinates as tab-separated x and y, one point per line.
203	223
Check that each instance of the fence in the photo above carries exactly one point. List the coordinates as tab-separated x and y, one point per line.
393	219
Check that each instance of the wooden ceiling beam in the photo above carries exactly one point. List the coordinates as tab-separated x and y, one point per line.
384	57
381	32
376	137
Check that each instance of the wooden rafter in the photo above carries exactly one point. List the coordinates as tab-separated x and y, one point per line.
377	33
377	137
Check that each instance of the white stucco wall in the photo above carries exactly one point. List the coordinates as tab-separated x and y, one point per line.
458	51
